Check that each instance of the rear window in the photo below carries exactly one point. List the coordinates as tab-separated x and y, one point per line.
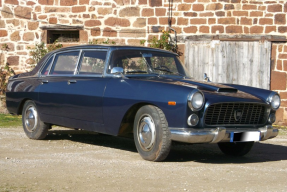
65	63
47	66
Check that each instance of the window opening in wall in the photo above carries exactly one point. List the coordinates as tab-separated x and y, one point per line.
62	36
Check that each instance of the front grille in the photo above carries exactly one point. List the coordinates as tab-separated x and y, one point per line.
229	114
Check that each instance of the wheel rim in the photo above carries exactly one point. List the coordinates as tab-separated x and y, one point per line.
31	118
146	132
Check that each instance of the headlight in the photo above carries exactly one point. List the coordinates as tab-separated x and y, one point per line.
192	120
195	100
274	100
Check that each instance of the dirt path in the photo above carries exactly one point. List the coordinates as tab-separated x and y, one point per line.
76	161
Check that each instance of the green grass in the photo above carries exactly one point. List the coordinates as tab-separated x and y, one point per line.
7	120
282	129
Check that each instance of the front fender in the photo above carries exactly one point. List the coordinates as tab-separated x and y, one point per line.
121	94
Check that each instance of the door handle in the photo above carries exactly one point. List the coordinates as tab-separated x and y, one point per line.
45	81
71	81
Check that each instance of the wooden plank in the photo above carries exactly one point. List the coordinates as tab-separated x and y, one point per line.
246	63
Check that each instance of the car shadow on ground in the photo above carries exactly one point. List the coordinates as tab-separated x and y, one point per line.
93	138
204	153
210	153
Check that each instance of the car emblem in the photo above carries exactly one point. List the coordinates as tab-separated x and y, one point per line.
238	114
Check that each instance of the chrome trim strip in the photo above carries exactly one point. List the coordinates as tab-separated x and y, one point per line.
75	76
216	135
105	74
77	65
78	61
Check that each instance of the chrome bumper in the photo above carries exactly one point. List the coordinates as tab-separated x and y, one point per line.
216	135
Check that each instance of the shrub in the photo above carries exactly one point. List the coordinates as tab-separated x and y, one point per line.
162	43
5	72
40	50
97	42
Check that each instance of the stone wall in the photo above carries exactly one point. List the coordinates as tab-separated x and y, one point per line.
129	21
278	79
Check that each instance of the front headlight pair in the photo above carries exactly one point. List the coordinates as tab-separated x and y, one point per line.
274	100
195	102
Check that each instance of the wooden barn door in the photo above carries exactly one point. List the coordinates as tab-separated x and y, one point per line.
236	62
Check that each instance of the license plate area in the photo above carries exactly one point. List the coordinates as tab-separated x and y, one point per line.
244	136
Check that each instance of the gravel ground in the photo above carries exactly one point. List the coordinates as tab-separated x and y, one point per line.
69	160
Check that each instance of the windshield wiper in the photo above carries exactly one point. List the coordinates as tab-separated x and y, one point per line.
169	71
136	71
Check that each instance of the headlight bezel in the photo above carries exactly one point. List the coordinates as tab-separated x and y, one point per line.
270	100
190	98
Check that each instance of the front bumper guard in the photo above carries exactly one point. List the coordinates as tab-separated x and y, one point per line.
216	135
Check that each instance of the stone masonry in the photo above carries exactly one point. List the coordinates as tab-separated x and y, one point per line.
278	79
23	22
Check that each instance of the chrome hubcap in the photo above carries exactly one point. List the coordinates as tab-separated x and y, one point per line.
146	132
31	118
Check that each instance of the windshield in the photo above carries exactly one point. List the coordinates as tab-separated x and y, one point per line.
147	62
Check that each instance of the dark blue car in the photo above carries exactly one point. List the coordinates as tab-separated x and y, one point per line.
139	91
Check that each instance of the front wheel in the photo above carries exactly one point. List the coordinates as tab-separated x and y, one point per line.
33	127
236	149
151	133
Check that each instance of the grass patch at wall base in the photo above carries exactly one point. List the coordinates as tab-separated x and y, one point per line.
7	120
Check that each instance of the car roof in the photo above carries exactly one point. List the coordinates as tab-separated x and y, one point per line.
109	47
114	47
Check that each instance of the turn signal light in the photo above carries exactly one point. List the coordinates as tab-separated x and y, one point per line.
171	103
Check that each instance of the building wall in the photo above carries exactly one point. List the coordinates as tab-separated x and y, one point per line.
278	79
129	21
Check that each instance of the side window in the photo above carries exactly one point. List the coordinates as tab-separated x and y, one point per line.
65	63
46	68
130	60
93	62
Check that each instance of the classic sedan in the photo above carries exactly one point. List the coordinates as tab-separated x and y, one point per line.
140	92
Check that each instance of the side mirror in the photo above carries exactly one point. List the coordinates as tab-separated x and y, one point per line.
117	70
206	78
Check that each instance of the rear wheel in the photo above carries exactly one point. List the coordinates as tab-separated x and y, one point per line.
33	127
236	149
151	134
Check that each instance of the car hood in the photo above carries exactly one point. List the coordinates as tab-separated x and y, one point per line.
209	88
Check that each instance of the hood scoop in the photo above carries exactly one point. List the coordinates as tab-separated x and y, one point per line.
227	90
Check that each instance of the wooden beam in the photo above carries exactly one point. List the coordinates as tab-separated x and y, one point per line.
272	38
